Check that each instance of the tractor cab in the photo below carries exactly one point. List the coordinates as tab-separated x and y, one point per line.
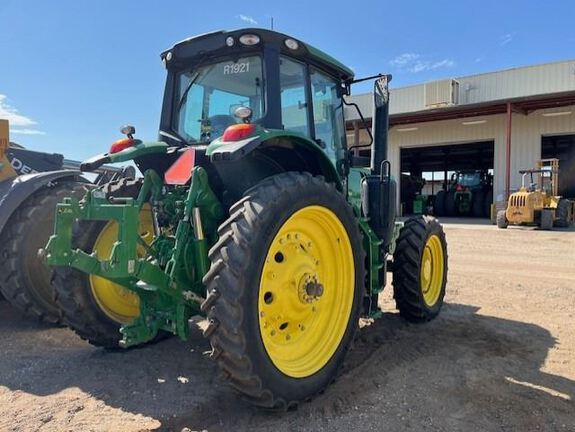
224	81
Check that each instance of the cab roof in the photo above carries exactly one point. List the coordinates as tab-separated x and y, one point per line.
214	44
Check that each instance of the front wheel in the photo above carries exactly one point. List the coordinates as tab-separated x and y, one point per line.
420	269
285	288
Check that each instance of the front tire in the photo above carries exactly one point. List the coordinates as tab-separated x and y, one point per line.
285	289
502	221
420	269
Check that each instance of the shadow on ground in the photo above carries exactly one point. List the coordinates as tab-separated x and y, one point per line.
463	370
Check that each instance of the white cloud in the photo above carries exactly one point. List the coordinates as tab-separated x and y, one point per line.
17	121
10	113
247	19
414	63
27	132
404	59
505	39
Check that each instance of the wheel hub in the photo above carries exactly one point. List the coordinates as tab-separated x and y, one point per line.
310	289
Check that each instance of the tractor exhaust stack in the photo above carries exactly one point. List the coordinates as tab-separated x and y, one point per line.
380	123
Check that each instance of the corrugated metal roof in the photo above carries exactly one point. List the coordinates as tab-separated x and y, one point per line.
522	82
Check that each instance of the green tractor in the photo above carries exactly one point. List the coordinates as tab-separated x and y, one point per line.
469	193
251	212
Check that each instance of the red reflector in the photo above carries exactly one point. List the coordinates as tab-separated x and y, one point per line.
238	132
122	144
181	170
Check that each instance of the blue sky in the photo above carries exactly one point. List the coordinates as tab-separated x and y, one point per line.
72	72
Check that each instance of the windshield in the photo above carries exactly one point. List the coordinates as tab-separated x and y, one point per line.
469	179
208	96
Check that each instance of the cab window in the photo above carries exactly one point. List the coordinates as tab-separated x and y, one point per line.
293	96
327	114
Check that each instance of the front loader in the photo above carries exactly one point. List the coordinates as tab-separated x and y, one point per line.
252	212
539	202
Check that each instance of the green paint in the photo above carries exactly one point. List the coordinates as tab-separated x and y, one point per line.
168	279
138	150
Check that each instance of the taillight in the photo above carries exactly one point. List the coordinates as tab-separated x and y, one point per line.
181	170
238	132
122	144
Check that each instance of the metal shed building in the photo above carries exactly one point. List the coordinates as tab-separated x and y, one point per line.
511	118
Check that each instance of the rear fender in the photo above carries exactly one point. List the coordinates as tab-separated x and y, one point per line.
14	192
242	164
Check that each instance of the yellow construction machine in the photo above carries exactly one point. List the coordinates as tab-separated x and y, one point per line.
538	203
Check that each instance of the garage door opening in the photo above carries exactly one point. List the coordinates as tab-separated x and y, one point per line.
562	147
447	180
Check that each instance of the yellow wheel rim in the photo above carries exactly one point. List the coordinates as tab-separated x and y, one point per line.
117	302
432	269
306	291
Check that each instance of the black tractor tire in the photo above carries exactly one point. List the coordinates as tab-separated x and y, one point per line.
502	219
450	207
562	214
478	204
72	288
408	288
25	279
488	202
232	282
546	222
439	204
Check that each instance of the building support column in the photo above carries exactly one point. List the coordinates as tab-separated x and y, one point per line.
508	152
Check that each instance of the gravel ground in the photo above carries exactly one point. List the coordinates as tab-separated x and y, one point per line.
500	357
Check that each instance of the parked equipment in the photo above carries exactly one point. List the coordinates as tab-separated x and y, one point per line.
469	193
539	203
253	212
31	184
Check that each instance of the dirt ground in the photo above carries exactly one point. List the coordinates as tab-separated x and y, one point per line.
500	357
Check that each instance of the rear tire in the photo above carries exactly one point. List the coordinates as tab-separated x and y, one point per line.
502	219
546	219
439	204
562	214
74	290
25	279
420	269
478	204
239	321
450	208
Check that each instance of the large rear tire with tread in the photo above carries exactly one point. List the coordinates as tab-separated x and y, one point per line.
439	204
562	215
450	205
94	307
266	282
25	279
420	269
478	204
546	222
